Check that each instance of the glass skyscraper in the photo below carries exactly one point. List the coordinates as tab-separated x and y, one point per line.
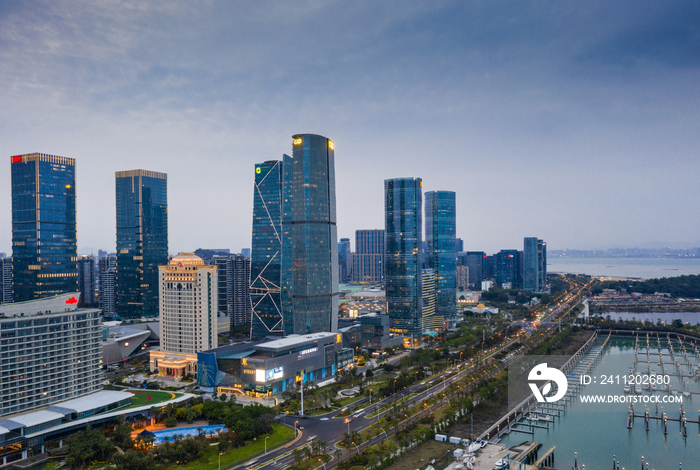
44	239
309	288
403	208
368	260
266	252
507	264
142	240
534	264
440	229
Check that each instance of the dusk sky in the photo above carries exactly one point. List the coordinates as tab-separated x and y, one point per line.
575	122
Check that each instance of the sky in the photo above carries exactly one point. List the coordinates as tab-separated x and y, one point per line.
575	122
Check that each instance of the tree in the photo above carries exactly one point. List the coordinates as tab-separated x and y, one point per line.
297	456
122	436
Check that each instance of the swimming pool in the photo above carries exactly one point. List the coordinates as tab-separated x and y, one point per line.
188	432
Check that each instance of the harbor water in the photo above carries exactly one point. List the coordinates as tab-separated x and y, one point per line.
597	436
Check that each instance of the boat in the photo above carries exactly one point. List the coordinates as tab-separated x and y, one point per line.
543	417
473	447
500	464
484	444
627	388
674	392
686	393
638	388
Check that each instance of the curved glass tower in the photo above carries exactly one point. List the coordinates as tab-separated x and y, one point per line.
403	204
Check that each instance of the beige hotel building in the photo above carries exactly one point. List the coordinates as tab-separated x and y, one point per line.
188	315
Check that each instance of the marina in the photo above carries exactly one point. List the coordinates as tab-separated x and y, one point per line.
591	434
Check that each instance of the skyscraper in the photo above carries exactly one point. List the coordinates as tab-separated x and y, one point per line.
534	264
440	228
403	207
266	252
44	243
475	262
462	278
142	240
309	237
431	320
368	260
344	259
507	263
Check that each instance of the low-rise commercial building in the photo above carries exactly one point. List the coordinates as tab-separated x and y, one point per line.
268	368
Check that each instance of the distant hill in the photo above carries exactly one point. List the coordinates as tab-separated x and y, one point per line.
681	286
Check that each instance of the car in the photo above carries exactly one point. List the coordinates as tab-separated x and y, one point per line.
301	427
324	419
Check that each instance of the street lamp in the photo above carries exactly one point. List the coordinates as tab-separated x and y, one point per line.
348	423
370	396
266	443
220	460
295	428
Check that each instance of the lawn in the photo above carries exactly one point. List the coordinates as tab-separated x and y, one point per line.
150	397
281	435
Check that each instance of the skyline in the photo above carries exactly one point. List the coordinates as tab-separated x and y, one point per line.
574	124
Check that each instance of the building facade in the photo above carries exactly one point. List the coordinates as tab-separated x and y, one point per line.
242	308
51	351
344	260
309	287
188	314
44	237
534	264
475	261
5	280
86	280
142	240
432	320
403	208
266	252
507	273
368	259
462	278
107	279
440	230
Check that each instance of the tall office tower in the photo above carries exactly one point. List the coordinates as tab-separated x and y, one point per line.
440	228
188	314
309	237
432	320
489	271
507	269
459	245
44	243
5	280
266	252
86	280
462	277
532	262
107	279
403	208
51	352
344	259
368	260
475	262
142	240
245	252
542	263
242	310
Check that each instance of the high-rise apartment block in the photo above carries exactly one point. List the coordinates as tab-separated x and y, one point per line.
5	280
240	281
309	237
368	259
344	260
440	229
462	277
188	314
403	208
534	264
44	243
142	240
107	279
50	352
86	279
266	252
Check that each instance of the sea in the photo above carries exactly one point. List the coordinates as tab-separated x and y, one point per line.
640	268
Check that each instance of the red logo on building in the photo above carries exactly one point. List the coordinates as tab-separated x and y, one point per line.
72	300
17	159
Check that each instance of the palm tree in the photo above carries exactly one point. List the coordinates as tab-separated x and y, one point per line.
338	453
297	455
307	452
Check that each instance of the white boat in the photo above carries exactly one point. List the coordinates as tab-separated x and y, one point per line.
686	393
543	417
627	388
638	388
473	447
500	464
674	392
484	444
